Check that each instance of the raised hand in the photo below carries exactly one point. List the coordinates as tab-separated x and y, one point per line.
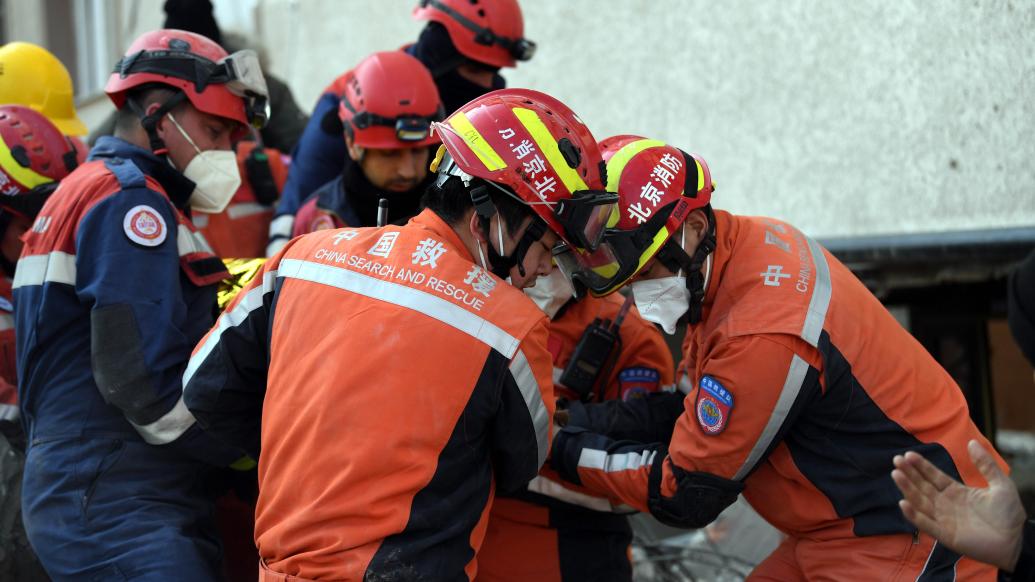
983	523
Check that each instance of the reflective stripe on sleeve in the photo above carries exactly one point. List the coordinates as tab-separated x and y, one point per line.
250	302
282	226
551	488
189	242
791	388
54	267
537	411
243	209
169	427
600	460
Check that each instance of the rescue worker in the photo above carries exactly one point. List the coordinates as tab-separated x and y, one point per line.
802	385
551	530
34	156
113	289
32	76
463	46
387	108
286	120
372	470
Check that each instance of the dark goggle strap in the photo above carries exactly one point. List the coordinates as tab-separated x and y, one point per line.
180	64
404	125
520	48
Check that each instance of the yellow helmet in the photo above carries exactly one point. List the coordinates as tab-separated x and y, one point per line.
31	76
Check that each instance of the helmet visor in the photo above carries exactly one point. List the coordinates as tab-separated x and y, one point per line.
596	270
585	216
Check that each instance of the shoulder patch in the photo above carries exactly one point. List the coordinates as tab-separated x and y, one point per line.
637	382
714	404
322	222
145	226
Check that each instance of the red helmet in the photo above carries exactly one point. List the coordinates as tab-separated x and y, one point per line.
487	31
658	186
228	86
540	150
33	155
390	101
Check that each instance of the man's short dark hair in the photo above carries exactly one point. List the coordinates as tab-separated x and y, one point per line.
452	200
127	119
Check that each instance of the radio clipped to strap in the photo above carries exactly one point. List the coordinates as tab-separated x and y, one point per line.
260	176
595	355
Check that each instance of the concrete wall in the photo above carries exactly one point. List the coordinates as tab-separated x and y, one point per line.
846	118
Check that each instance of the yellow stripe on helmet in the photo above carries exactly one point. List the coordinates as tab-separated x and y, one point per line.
24	176
548	145
616	165
700	176
476	142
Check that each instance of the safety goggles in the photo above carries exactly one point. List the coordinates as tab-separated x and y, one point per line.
408	128
618	257
584	216
240	72
521	49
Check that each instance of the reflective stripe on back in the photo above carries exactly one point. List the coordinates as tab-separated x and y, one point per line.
820	301
403	296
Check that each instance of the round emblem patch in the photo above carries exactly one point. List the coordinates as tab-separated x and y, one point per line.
322	222
144	226
709	415
714	403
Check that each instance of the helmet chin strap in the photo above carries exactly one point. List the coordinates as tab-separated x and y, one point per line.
498	264
150	122
675	258
697	281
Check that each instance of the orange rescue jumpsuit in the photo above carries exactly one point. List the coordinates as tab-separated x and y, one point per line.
803	389
399	384
553	531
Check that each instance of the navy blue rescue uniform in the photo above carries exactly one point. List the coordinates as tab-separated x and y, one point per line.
112	292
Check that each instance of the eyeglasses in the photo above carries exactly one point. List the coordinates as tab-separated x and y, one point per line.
521	49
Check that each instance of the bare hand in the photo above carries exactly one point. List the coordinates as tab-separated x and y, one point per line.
561	417
985	524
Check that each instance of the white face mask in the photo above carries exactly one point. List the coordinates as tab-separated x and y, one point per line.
551	292
662	301
215	176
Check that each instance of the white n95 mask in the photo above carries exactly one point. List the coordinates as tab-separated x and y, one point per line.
215	176
551	292
662	301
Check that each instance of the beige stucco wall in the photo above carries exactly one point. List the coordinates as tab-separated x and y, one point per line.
882	116
846	118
